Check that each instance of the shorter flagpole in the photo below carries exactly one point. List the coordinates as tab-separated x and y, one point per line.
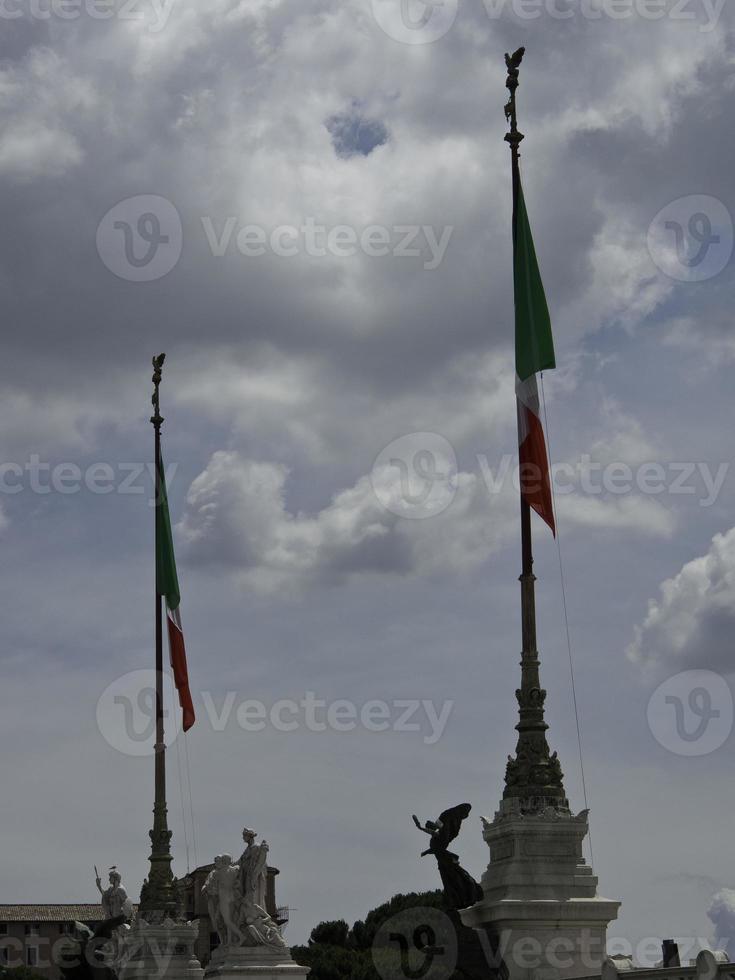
158	897
160	749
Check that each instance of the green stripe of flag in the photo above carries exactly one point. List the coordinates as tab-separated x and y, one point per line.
167	581
534	342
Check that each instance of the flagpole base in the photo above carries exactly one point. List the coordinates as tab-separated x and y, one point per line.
253	963
540	907
160	951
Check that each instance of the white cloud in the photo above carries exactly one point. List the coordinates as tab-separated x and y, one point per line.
42	101
710	337
692	623
236	517
623	441
722	915
625	286
629	513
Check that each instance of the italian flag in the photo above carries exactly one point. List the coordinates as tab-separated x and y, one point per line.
534	353
167	586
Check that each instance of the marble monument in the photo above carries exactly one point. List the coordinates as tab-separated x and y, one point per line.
251	944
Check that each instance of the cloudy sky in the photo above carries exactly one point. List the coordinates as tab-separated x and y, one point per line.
306	204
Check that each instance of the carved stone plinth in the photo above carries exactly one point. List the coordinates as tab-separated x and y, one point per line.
254	962
540	899
160	951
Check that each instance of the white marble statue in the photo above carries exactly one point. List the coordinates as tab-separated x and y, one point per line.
115	901
222	891
115	904
260	928
236	898
253	865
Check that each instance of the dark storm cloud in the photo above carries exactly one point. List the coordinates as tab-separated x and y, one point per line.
162	107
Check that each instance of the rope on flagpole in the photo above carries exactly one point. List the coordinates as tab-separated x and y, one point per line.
187	768
191	802
181	783
566	621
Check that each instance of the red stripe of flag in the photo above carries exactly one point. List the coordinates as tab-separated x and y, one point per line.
532	457
177	652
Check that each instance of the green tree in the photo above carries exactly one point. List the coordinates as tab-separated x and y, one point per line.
336	952
330	933
335	962
363	933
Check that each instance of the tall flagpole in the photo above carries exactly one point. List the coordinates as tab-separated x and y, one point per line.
515	138
158	895
534	777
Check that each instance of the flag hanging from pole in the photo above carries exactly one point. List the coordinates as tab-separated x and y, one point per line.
534	353
167	586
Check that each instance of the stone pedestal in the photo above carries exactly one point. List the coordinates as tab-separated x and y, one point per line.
540	899
255	962
160	951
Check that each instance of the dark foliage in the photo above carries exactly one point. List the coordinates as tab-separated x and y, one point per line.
19	973
330	933
336	952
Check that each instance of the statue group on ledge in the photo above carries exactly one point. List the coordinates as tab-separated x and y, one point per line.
236	898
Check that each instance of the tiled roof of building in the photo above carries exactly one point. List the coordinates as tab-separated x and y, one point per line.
50	913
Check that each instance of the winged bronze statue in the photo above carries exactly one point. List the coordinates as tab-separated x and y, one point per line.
460	888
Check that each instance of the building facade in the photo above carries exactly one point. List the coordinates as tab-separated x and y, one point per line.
35	935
